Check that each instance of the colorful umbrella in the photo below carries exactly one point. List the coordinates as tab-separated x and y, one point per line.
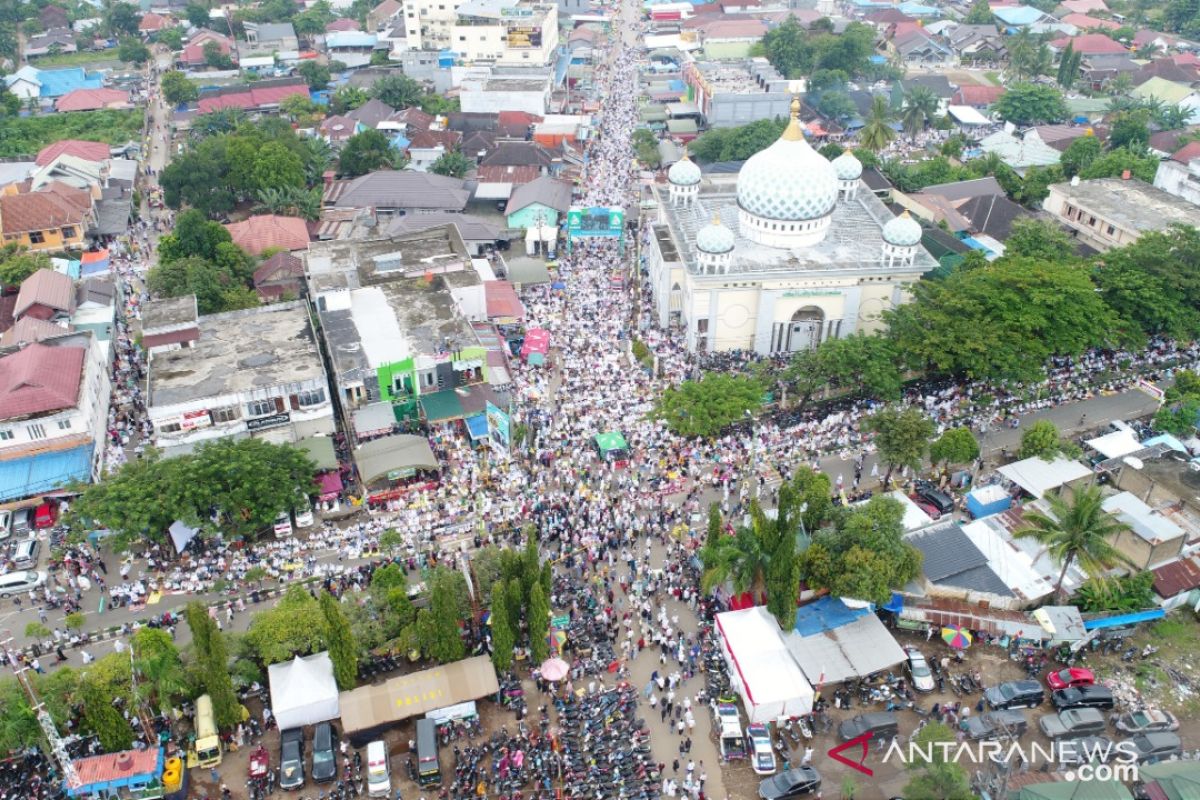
956	637
556	639
554	669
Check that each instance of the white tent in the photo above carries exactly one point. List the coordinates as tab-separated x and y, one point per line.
303	691
1115	444
761	669
1038	476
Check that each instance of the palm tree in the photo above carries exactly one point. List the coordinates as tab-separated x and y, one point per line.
877	133
1079	532
920	106
740	559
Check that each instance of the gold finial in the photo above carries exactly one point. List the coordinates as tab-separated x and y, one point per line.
904	214
794	132
685	152
716	220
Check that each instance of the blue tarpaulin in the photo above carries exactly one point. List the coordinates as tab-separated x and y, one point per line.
1123	619
477	426
1167	439
22	477
825	615
896	604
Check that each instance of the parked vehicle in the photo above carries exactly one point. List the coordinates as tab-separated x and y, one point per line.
20	582
1156	746
1146	721
732	741
282	525
798	782
379	777
45	515
25	553
763	757
1086	750
291	759
206	748
935	497
324	757
5	524
22	521
879	724
1073	723
918	670
1005	724
1083	697
1071	677
1015	694
429	767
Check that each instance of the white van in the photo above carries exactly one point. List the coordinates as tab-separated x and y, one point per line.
283	525
379	780
304	514
25	553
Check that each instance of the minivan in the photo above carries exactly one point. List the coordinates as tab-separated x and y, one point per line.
429	771
5	524
1015	694
25	553
20	582
1074	723
324	758
881	725
379	779
22	521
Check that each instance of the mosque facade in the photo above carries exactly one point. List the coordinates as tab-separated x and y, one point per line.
791	251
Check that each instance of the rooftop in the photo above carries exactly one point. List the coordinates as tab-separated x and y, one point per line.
952	559
40	379
238	351
1131	204
735	77
170	312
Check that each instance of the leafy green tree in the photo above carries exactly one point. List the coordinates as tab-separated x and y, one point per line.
538	623
1124	593
1077	532
980	14
296	626
737	144
714	530
177	89
193	235
877	133
1178	418
645	147
215	289
213	662
1114	163
836	105
10	104
161	677
347	98
133	51
1079	155
398	91
920	106
1130	130
503	636
1068	66
1038	238
452	164
1042	440
340	641
103	719
313	20
19	727
1031	103
437	626
278	167
215	57
861	364
171	38
1182	17
18	263
515	603
939	777
823	80
710	405
315	74
902	435
1028	56
741	559
365	152
197	14
954	446
122	18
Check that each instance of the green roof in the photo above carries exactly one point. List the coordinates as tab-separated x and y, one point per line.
1075	790
442	405
612	440
1179	780
1162	89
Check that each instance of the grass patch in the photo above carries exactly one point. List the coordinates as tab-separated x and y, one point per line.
1176	632
85	58
994	77
25	136
1150	678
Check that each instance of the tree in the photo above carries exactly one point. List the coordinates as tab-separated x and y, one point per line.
1031	103
215	289
1041	239
10	104
503	637
939	777
452	164
19	727
1115	163
177	89
980	14
1182	17
133	51
122	18
315	74
1080	154
741	560
1179	418
645	147
1068	66
398	91
171	38
340	641
902	435
437	626
302	110
102	718
213	665
312	21
192	236
737	144
1130	130
877	133
197	14
836	105
365	152
1124	594
278	167
347	98
1077	532
1042	440
295	626
920	106
538	622
710	405
860	364
955	446
157	664
215	56
18	263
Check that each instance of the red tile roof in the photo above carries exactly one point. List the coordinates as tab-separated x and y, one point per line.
431	139
263	231
281	266
1083	22
89	151
1185	154
1091	44
91	99
46	288
153	22
1177	577
977	95
32	329
114	766
54	206
255	97
501	300
343	24
500	173
38	379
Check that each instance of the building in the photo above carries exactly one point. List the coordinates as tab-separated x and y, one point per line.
429	24
279	277
46	295
50	42
395	192
1152	539
786	253
56	217
1179	175
258	97
539	202
170	324
265	38
90	151
1111	212
30	82
263	232
54	397
382	15
489	93
521	33
729	94
93	100
256	372
193	52
95	307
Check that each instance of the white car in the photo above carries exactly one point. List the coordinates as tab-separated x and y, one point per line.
20	582
304	515
283	525
918	669
762	757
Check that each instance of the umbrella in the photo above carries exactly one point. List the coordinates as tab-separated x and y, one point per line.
956	637
554	669
558	285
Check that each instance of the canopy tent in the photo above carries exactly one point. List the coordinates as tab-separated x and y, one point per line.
608	442
303	691
967	115
379	457
1168	440
522	269
442	406
374	418
761	669
537	340
320	450
181	534
1038	476
477	427
330	484
833	642
368	710
1115	444
94	263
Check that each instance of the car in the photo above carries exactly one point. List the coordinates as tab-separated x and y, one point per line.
1086	750
795	782
1146	721
291	759
1015	694
45	515
918	670
1073	723
762	755
282	525
880	725
1006	724
324	757
732	743
935	497
926	506
1071	677
5	524
1083	697
1156	746
22	521
20	582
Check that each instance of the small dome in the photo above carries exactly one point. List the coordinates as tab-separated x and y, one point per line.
714	238
789	181
847	167
684	172
903	231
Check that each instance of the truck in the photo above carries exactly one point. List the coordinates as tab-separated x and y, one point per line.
206	748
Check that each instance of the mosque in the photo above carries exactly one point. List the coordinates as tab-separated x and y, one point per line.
791	251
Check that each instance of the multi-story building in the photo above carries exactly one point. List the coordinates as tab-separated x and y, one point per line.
255	372
1111	212
54	397
506	32
731	93
429	24
55	217
1180	174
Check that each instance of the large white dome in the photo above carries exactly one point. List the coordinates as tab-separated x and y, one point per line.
715	238
847	167
789	181
684	172
902	231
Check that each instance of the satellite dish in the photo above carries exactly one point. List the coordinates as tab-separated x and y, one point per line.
1133	461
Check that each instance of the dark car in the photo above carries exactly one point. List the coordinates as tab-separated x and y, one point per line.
796	782
291	759
1005	724
1083	697
1087	750
878	724
935	497
324	758
1154	747
1073	723
1015	694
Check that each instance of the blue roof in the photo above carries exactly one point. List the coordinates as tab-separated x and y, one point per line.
1017	15
1167	439
351	39
825	615
918	10
1123	619
478	426
31	475
57	82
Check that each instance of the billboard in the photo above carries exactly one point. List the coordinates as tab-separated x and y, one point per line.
596	221
499	428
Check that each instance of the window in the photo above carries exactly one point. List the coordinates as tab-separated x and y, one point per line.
462	38
311	398
427	378
36	431
36	237
170	427
64	424
6	435
228	414
68	232
1111	230
260	408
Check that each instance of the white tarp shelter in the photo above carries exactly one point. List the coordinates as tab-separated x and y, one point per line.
966	115
303	691
1115	444
1038	476
761	669
181	534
